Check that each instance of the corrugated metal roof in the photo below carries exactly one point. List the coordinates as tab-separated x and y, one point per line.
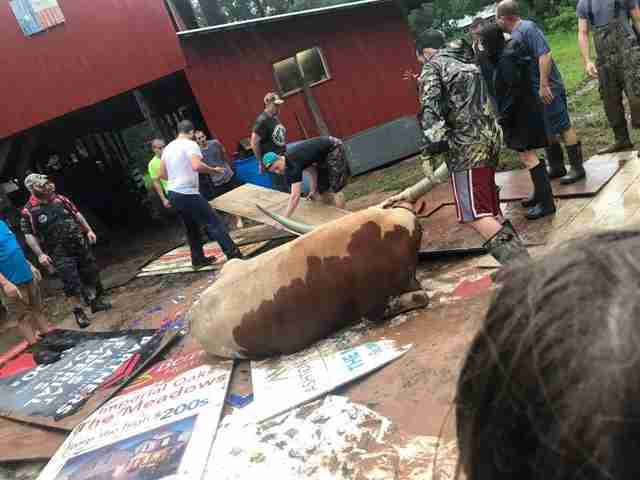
277	18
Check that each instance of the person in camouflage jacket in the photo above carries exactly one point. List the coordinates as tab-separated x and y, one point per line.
462	140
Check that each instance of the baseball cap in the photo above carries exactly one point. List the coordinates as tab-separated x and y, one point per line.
272	97
35	180
268	159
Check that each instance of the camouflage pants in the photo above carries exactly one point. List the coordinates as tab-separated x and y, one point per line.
77	268
618	71
335	176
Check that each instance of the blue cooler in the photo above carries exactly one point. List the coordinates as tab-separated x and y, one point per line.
247	171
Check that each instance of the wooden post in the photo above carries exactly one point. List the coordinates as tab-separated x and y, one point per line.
311	102
147	112
5	150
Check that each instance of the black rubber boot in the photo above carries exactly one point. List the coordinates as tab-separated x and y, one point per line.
622	143
577	172
99	305
81	318
555	160
544	195
203	262
505	246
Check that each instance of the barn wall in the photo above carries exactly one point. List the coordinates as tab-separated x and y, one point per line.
366	49
104	48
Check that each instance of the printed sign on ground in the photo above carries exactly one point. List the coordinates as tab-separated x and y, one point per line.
93	367
284	383
150	431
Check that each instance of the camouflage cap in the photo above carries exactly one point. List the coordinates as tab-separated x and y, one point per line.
35	180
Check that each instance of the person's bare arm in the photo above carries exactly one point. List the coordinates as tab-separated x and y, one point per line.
162	171
199	166
255	146
635	19
10	290
34	245
225	155
294	199
313	180
585	47
545	61
91	236
157	186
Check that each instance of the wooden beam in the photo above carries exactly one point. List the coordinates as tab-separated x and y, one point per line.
310	100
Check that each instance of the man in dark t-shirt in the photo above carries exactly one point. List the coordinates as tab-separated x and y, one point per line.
547	83
269	135
323	158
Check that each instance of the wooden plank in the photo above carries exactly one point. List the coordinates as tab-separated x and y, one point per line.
258	234
242	202
179	259
516	184
616	206
23	442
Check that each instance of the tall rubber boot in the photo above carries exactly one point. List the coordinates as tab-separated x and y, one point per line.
555	160
505	246
622	143
532	199
575	159
543	193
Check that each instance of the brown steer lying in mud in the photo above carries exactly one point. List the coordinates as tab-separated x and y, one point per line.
361	265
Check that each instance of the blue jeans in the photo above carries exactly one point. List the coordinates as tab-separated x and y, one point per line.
196	211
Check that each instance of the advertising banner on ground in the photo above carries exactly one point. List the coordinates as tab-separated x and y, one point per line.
161	427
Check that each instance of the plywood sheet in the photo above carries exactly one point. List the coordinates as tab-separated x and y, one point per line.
516	184
179	259
23	442
258	234
443	234
436	198
242	202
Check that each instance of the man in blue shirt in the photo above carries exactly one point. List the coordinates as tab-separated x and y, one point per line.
20	290
548	84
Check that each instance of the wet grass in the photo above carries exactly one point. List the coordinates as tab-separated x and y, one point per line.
586	113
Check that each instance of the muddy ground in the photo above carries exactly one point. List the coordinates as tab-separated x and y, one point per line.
415	392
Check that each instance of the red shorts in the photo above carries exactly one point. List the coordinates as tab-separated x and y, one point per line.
475	194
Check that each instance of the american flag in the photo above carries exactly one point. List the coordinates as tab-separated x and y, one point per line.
36	15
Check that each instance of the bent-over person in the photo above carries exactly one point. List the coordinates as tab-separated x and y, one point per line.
323	158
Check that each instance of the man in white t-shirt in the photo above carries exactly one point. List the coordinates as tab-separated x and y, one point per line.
180	164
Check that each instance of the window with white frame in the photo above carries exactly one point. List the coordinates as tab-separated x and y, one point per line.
309	65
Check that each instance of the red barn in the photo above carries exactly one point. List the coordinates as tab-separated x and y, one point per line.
355	55
72	92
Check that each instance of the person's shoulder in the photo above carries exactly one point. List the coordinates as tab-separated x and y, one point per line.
262	117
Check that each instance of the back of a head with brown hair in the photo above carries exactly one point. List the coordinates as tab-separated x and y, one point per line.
508	8
550	388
